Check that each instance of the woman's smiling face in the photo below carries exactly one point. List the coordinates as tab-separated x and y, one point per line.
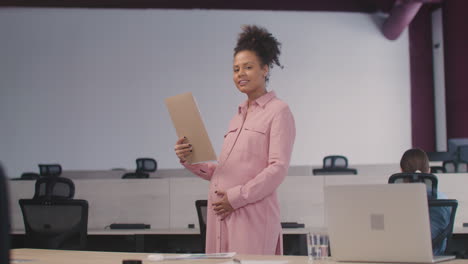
249	75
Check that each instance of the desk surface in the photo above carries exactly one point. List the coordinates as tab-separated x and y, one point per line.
44	256
460	230
174	231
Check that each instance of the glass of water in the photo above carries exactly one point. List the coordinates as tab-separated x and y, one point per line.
317	246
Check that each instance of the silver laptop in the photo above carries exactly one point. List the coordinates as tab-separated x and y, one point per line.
379	223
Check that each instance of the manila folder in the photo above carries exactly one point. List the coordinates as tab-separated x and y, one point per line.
188	123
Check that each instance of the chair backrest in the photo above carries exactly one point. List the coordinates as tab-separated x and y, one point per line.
50	188
334	164
462	166
429	179
335	161
135	175
201	206
442	213
4	220
452	166
146	165
55	224
50	170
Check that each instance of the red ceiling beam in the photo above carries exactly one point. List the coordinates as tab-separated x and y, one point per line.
401	15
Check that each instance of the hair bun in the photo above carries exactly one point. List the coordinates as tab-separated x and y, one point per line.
260	41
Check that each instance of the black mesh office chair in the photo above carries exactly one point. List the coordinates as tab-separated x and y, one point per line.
201	206
334	164
462	166
429	179
50	170
444	211
450	166
55	224
51	188
144	167
453	166
4	220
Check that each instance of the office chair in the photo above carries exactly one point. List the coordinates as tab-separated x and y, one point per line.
53	188
50	170
4	220
55	224
443	211
450	166
201	206
429	179
453	166
462	166
144	167
334	164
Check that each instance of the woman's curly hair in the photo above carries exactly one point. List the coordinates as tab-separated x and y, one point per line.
260	41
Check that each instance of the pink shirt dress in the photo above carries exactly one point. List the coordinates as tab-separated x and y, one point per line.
252	164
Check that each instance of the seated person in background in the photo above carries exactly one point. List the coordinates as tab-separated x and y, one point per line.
414	161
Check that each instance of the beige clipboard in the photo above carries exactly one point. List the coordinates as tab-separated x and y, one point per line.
188	122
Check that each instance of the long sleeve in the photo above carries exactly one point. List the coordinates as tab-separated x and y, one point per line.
282	135
203	170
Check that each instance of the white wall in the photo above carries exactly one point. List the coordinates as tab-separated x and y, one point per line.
85	87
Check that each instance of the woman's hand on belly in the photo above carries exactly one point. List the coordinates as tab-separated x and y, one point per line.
222	208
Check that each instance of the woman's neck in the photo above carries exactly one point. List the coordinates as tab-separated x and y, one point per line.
253	97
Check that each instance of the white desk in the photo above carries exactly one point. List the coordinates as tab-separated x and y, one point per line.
178	231
43	256
168	240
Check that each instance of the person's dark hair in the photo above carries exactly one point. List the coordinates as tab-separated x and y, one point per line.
414	160
260	41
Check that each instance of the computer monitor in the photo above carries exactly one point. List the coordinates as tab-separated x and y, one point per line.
4	220
454	145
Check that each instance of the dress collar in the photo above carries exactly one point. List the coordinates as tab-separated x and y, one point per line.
261	101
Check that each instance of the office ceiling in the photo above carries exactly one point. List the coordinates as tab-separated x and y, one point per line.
368	6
